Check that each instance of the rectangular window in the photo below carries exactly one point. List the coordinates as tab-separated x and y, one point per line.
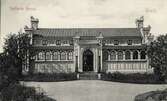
50	42
65	42
37	42
129	42
116	42
71	42
44	42
70	55
58	42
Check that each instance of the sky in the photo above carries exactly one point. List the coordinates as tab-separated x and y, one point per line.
15	14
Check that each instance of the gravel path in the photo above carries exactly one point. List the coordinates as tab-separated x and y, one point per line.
94	90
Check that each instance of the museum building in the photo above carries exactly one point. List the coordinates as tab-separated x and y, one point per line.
64	50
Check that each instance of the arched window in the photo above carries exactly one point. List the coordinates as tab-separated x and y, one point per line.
63	56
120	55
143	55
41	56
135	55
105	55
48	56
70	55
127	55
112	55
56	55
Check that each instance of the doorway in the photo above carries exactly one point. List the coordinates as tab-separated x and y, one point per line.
87	60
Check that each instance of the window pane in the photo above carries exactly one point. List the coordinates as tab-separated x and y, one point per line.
63	56
55	55
105	55
48	56
116	42
120	55
71	42
112	55
58	42
41	56
129	42
70	55
135	55
143	55
44	42
65	42
127	55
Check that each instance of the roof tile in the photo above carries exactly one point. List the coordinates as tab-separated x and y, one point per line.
106	32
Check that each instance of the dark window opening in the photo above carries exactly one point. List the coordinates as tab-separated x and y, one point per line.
129	42
135	55
44	42
116	42
143	55
58	42
127	55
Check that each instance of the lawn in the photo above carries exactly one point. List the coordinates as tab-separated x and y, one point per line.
94	90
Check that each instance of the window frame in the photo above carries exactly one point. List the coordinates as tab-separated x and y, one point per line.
70	55
63	55
135	56
48	56
112	55
58	42
129	42
127	56
120	55
116	42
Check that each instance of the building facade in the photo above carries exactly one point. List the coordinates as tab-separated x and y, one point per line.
57	50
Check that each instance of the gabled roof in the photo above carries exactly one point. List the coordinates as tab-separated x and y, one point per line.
106	32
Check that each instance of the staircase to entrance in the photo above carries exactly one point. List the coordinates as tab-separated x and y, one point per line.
88	76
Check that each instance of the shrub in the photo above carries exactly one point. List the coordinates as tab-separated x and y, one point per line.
130	78
159	95
50	77
17	92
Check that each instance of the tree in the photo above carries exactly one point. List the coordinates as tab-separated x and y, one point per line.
157	52
11	60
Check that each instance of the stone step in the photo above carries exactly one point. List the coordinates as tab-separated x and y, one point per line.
88	76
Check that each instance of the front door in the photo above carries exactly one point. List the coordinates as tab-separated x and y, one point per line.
88	60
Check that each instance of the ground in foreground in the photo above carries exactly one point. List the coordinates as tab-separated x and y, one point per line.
94	90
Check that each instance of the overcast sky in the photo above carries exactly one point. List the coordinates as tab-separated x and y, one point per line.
15	14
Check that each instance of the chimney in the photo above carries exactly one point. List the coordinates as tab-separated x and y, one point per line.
34	23
139	22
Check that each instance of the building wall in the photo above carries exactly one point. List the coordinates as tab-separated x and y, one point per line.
126	66
45	62
110	41
54	67
133	62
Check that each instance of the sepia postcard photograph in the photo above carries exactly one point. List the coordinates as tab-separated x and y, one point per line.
83	50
